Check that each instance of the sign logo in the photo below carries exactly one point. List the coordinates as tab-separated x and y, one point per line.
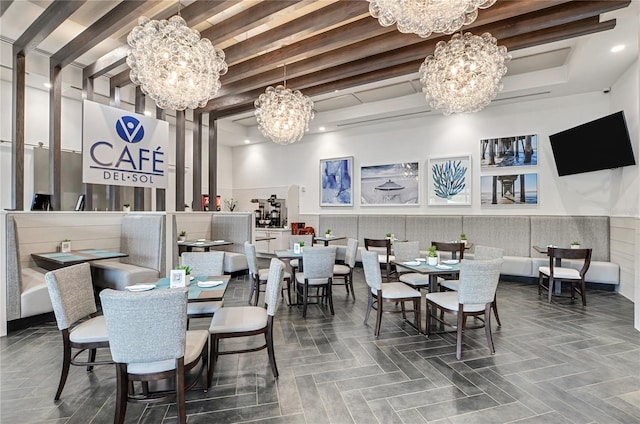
129	129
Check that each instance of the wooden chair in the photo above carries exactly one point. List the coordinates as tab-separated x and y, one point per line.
409	250
208	264
456	249
478	283
557	273
391	292
259	277
383	247
158	347
72	297
346	271
317	274
243	321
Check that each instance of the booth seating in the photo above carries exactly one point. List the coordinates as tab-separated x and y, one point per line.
236	228
515	234
142	237
27	293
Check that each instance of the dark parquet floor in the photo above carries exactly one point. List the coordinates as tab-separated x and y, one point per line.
554	363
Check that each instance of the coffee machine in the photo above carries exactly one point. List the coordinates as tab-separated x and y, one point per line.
270	212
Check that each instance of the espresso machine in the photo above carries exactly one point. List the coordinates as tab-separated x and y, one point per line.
270	212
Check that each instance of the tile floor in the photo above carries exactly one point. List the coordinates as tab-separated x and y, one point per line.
554	363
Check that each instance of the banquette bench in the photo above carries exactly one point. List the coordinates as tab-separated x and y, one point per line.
516	234
234	227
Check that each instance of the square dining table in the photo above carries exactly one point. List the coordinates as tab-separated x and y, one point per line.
433	271
197	293
204	244
326	239
55	260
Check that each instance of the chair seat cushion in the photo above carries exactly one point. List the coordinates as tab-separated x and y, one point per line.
383	258
34	296
234	262
293	263
238	319
449	300
194	343
559	272
90	331
263	274
200	308
414	279
340	269
312	282
450	284
397	291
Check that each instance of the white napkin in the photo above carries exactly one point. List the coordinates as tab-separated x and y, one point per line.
450	261
218	241
411	263
440	266
210	283
140	287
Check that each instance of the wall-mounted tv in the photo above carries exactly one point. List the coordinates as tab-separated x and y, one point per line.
596	145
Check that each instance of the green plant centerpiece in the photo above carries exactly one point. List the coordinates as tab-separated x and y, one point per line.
187	269
182	236
328	232
575	244
463	238
432	256
388	235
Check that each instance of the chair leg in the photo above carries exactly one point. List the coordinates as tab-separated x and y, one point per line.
270	351
369	306
330	295
288	281
487	327
257	292
305	294
204	377
551	282
66	362
122	387
427	321
416	310
91	359
379	316
180	395
494	306
404	312
353	293
583	292
251	289
213	356
540	282
459	329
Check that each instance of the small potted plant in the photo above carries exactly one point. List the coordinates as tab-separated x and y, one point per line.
389	236
182	236
327	233
301	246
126	207
65	246
187	208
575	244
432	256
463	238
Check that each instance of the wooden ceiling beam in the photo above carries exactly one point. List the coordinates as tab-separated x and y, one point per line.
45	24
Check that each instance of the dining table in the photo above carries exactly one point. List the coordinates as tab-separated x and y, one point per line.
326	239
201	288
55	260
419	265
206	245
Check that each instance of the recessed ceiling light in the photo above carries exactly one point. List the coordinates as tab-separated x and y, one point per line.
618	48
321	128
147	113
47	85
247	141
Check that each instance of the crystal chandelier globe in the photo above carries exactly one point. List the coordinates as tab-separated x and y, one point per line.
423	17
283	115
173	65
464	74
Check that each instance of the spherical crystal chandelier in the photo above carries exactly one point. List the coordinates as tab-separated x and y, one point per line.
173	65
283	115
423	17
464	74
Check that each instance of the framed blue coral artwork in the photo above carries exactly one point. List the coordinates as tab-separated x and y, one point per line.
450	180
336	181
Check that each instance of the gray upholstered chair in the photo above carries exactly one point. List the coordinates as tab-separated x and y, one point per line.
557	274
392	292
480	253
410	250
476	292
210	264
317	273
158	347
346	270
243	321
307	239
259	276
383	247
72	298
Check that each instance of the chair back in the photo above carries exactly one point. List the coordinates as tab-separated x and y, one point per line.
379	244
406	249
318	262
558	252
274	281
142	238
478	281
307	239
485	253
252	258
372	273
204	263
71	293
456	249
145	327
351	253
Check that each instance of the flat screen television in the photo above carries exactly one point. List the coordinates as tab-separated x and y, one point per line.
596	145
41	202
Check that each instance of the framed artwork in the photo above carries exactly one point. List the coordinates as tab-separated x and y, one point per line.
336	181
520	150
390	185
509	189
450	181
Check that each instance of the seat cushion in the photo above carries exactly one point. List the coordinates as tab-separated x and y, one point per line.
238	319
263	275
117	275
560	272
194	343
234	262
293	263
339	269
397	291
34	295
449	300
450	284
199	308
414	279
312	282
90	331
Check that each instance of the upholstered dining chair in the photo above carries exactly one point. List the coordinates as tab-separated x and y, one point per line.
307	239
477	289
71	293
208	264
259	276
346	270
157	347
409	250
317	274
383	247
391	292
557	274
480	253
243	321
